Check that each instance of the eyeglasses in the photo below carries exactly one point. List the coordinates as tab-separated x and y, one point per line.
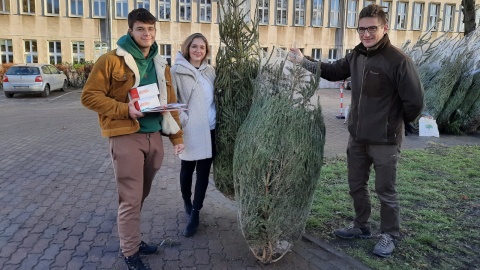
370	29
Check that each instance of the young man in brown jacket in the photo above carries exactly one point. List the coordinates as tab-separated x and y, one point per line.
386	93
135	141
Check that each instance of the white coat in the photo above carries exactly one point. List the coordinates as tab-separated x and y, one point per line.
194	121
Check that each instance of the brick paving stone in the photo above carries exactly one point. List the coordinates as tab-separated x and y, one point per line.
43	265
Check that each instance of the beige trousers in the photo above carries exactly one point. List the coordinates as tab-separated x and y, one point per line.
136	159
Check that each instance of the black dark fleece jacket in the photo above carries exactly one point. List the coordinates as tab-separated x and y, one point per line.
386	91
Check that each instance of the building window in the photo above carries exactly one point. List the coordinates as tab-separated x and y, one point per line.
367	3
263	8
402	15
121	8
101	48
461	25
185	8
387	7
317	54
78	52
99	8
317	12
417	16
54	52
433	16
205	11
31	52
143	4
6	51
166	52
335	13
332	55
448	18
76	7
299	12
282	12
53	7
4	6
164	10
28	6
352	13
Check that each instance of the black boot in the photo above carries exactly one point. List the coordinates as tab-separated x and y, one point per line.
135	263
146	249
187	205
192	224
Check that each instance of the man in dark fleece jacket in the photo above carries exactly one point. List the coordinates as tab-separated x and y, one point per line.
386	93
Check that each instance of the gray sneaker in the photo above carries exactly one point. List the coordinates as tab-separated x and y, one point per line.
353	232
384	247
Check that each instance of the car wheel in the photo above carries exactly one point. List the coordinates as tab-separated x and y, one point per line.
8	95
46	91
65	84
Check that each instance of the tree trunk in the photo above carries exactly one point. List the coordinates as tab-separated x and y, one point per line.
468	9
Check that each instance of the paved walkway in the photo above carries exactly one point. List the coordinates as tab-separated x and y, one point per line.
59	202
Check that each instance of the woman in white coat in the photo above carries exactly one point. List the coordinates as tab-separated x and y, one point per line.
193	80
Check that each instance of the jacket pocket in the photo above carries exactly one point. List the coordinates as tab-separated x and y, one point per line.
121	81
376	83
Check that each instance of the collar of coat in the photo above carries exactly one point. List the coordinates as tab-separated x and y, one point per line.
385	41
160	64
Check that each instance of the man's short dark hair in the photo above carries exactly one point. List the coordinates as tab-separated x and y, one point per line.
142	15
374	11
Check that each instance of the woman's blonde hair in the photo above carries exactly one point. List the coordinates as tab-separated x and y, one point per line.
188	42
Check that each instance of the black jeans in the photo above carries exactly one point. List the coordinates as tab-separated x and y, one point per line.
203	171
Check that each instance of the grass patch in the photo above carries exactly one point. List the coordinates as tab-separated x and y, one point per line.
439	190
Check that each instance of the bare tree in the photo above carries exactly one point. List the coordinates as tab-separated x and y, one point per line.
468	9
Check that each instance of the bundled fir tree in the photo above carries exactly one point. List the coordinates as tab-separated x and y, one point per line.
449	68
277	159
237	65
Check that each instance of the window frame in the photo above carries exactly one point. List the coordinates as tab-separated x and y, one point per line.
142	4
317	13
332	55
280	11
387	9
263	12
431	23
334	14
77	4
451	17
166	52
123	4
51	4
352	13
57	52
366	3
207	7
5	6
7	54
99	50
187	4
299	12
30	6
32	50
317	54
417	18
166	6
99	3
404	15
77	54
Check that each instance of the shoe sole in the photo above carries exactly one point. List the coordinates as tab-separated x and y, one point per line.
383	255
355	236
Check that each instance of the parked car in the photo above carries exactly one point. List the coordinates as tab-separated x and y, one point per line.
33	78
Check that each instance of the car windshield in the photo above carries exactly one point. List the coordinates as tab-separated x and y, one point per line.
22	70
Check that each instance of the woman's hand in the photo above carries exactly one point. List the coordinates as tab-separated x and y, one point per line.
179	148
295	55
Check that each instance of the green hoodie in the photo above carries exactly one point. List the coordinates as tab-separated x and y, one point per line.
151	121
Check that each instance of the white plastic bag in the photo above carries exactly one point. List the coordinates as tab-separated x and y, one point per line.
428	127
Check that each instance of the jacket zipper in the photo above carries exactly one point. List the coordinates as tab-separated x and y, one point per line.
361	91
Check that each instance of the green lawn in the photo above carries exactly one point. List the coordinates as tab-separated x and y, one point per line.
439	190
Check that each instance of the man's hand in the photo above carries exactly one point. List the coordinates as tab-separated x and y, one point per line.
179	148
132	111
295	55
